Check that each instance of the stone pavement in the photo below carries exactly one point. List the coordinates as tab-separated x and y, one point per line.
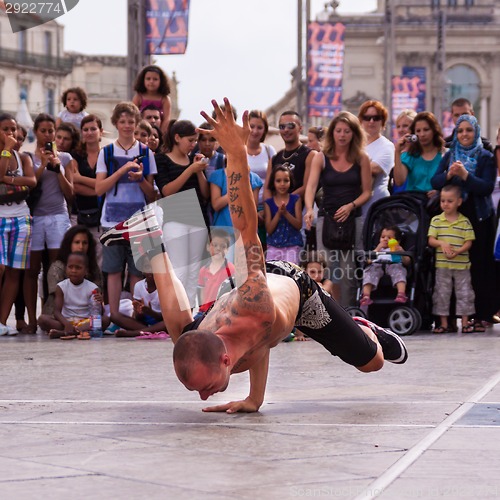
106	419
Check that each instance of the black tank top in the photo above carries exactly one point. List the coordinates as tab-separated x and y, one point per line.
297	162
339	188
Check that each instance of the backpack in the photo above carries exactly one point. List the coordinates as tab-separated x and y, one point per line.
109	155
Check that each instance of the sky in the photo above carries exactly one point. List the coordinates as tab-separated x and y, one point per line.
244	50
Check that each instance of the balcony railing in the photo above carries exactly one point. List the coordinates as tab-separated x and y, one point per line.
39	61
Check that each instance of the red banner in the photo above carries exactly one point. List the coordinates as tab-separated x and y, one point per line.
166	26
325	52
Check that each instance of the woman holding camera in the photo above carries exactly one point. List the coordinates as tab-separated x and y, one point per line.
418	154
54	175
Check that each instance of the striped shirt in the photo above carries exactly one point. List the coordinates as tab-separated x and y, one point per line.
456	233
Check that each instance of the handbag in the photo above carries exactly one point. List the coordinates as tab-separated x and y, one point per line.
34	196
89	218
12	193
338	235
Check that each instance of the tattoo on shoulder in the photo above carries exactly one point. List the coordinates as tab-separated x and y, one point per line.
254	295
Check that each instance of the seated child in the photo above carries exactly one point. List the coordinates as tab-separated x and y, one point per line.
216	271
147	316
71	303
385	265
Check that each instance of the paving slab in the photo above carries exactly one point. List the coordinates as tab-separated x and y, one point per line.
108	419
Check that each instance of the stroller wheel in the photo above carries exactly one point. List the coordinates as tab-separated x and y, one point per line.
403	320
356	311
417	314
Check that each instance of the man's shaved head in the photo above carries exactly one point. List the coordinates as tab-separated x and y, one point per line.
197	346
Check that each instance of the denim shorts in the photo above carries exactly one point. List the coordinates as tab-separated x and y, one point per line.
115	257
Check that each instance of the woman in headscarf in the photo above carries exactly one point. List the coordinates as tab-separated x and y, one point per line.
470	166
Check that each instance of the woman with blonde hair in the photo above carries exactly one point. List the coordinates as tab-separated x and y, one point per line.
343	169
403	122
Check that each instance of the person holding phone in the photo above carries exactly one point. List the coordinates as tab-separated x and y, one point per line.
126	178
54	173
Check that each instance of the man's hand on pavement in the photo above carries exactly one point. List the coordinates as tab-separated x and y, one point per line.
245	406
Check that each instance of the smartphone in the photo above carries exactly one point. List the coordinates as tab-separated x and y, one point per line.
48	146
139	158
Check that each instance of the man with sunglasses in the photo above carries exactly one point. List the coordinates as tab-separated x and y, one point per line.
295	154
237	334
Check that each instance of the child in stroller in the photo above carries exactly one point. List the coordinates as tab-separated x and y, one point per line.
384	263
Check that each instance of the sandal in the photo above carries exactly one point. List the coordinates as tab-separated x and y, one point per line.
29	330
478	327
83	336
441	329
153	336
68	337
401	298
468	328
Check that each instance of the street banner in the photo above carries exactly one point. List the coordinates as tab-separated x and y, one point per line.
420	71
325	53
166	26
405	95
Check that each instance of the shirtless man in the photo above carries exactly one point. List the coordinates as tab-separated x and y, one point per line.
244	324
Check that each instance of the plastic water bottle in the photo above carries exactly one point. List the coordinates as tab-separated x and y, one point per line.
95	316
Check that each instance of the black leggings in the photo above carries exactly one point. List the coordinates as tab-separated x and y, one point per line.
325	321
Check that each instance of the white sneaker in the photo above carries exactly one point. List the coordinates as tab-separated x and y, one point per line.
4	330
12	331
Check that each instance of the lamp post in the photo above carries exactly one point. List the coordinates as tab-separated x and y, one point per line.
389	57
136	54
300	56
440	62
303	18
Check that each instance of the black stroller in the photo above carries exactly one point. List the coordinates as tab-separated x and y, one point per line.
408	212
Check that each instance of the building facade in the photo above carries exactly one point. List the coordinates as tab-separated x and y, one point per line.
34	63
470	67
104	79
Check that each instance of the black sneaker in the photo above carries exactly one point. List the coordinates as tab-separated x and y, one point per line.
141	231
393	347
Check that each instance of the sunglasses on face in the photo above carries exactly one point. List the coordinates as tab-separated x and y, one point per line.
369	118
289	126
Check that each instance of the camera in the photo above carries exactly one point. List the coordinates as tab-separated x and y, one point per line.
205	160
411	138
48	147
